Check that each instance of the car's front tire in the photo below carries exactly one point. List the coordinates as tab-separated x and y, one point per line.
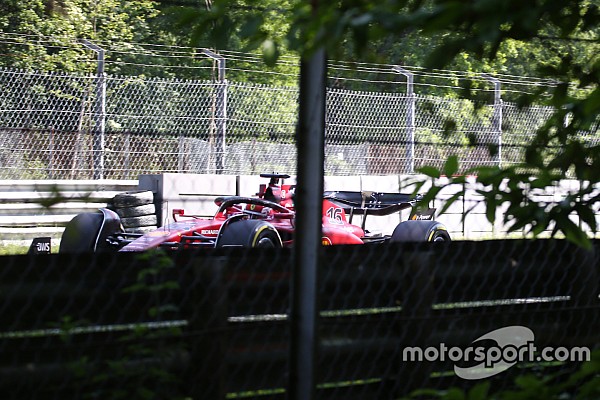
249	233
88	232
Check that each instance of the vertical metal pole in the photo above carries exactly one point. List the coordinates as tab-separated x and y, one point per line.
51	161
127	166
221	111
410	116
181	152
307	246
99	111
221	125
497	116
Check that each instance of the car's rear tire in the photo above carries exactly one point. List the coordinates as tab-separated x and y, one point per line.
420	231
249	233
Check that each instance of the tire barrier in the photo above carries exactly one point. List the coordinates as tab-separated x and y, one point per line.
133	199
136	210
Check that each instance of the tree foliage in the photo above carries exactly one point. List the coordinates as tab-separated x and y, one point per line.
64	22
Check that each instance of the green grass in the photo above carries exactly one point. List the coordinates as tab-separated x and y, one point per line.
11	248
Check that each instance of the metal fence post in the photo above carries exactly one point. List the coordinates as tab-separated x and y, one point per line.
308	246
99	111
497	116
410	116
220	112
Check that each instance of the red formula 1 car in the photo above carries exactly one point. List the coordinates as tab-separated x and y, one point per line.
267	220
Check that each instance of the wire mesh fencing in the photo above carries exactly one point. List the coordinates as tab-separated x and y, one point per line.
393	318
69	126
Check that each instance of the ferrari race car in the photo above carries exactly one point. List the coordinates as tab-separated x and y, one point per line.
267	220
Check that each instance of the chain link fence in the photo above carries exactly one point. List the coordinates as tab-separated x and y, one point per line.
217	325
69	126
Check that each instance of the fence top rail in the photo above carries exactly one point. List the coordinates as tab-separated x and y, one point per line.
49	185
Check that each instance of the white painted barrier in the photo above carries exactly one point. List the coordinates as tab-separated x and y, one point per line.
32	208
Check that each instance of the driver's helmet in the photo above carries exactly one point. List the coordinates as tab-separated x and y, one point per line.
273	193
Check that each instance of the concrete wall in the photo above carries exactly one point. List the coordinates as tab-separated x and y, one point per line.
195	193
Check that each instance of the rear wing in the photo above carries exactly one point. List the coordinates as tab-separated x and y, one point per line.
371	203
376	203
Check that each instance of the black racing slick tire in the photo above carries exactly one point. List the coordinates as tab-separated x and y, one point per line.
137	222
249	233
420	231
142	229
133	199
138	211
